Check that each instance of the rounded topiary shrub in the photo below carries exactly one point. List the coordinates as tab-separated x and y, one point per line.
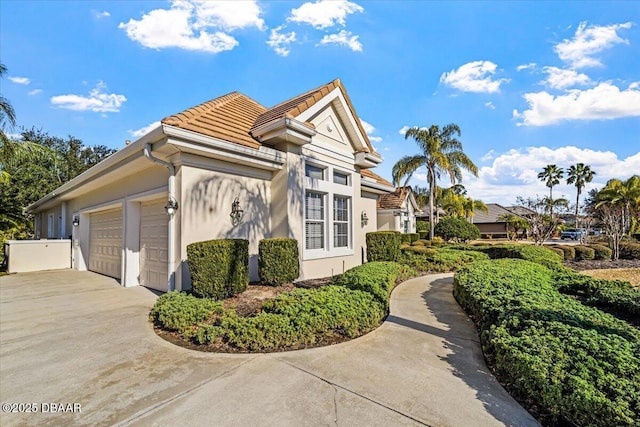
602	252
556	250
629	250
569	252
383	246
219	268
278	261
457	228
584	252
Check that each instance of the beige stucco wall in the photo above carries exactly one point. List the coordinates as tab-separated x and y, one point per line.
206	199
36	255
387	221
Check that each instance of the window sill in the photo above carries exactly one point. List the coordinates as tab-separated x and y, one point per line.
333	253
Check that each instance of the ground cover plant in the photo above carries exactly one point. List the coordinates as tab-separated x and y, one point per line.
437	259
576	363
355	304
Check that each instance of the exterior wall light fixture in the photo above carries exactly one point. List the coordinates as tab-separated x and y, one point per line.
171	207
76	221
236	213
364	220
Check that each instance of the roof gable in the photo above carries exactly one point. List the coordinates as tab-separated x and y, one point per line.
394	200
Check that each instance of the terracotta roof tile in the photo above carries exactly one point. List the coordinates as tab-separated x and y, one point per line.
380	180
228	117
393	200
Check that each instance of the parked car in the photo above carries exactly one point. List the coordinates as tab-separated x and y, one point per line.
573	233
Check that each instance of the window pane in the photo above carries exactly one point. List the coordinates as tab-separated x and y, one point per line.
314	225
341	221
314	232
314	206
341	235
340	178
314	172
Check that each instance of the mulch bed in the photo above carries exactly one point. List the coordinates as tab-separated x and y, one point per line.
592	264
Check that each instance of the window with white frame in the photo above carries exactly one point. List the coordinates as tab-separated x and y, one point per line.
341	221
314	216
313	171
50	226
340	178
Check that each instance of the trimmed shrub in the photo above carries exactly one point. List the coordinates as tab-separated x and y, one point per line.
437	241
405	238
569	252
557	250
456	228
376	278
629	250
383	246
538	254
440	259
418	243
414	237
423	234
419	249
602	252
422	226
278	261
576	363
178	311
584	252
219	268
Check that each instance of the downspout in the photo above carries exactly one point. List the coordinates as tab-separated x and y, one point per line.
172	221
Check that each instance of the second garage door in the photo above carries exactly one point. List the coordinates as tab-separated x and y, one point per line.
105	243
153	245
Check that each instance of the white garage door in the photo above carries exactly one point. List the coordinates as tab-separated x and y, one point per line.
153	245
105	243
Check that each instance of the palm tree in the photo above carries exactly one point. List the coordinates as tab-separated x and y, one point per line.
579	174
441	152
13	151
551	175
470	206
625	194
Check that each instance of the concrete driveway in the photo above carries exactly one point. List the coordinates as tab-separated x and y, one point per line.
79	342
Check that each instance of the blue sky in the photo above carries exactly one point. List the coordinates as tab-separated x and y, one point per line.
529	83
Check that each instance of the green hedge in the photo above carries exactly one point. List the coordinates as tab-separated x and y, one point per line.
301	318
537	254
383	246
219	268
278	261
569	252
580	365
178	311
423	234
584	252
629	250
601	252
434	259
456	228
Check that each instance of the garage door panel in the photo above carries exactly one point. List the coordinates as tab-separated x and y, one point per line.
105	243
153	245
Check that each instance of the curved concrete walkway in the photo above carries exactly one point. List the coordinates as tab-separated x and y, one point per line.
70	337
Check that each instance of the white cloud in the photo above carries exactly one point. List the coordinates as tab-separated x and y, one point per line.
324	13
99	15
35	92
474	77
490	105
559	78
588	41
195	25
420	176
20	80
369	130
280	42
144	130
514	173
343	38
526	66
488	156
404	130
97	101
603	102
14	136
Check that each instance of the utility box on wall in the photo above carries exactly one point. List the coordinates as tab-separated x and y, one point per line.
37	255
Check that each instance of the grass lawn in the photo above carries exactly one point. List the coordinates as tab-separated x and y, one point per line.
631	275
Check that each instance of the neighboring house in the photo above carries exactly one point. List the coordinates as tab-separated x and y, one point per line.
397	211
227	168
489	224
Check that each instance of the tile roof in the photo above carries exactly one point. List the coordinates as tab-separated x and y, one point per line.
234	116
228	117
393	200
494	211
380	180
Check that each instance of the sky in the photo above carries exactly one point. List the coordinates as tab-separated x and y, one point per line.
528	83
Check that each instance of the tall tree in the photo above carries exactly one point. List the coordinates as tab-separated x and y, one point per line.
13	151
579	175
440	153
620	200
551	175
470	206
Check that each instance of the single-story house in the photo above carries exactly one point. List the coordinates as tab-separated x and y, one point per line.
227	168
490	223
397	211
